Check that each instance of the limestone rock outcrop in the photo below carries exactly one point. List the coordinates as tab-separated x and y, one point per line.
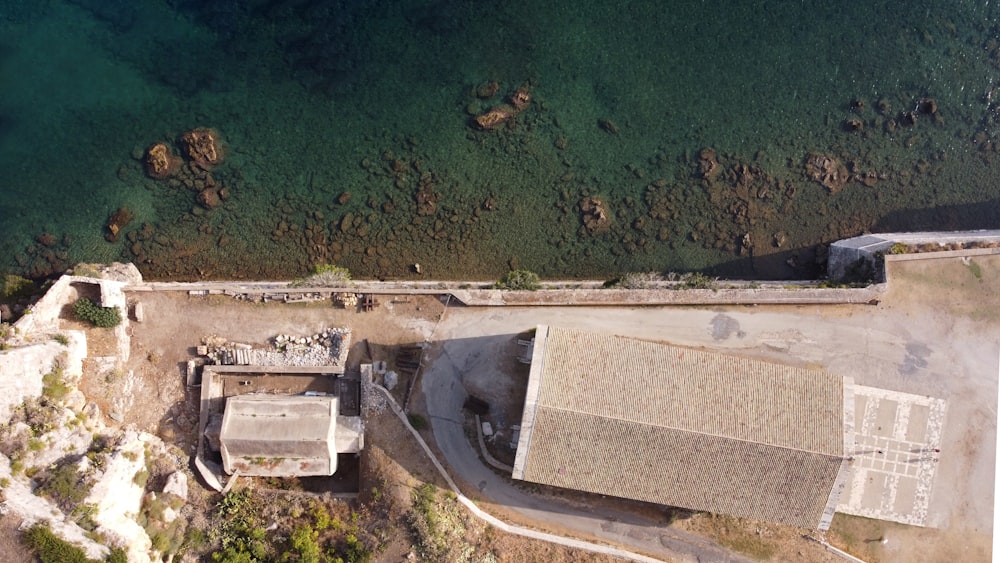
596	216
202	147
161	162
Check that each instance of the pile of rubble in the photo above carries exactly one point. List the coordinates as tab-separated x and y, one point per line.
326	348
373	402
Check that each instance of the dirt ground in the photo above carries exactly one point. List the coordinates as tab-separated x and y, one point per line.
150	393
933	333
399	465
955	304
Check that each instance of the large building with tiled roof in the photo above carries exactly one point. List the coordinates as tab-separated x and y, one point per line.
682	427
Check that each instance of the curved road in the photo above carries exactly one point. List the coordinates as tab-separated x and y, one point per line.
914	342
466	341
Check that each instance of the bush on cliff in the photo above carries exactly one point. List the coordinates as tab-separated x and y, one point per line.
105	317
15	287
50	548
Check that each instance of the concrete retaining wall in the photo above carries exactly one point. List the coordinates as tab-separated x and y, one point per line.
790	295
570	293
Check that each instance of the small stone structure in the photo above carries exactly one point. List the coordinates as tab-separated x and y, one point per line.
253	423
286	436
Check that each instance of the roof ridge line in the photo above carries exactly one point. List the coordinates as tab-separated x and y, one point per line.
541	406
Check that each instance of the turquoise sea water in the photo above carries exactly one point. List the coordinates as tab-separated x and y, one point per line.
347	136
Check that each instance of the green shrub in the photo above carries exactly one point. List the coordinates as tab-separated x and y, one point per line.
424	497
304	545
65	485
141	477
243	539
325	275
62	339
321	516
117	555
355	550
898	248
104	317
518	280
54	385
50	548
417	421
635	280
16	287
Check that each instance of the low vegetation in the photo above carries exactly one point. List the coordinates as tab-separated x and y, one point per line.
671	280
325	275
167	537
759	540
635	280
418	422
523	280
54	384
308	533
15	287
104	317
437	526
64	485
975	269
695	280
240	534
50	548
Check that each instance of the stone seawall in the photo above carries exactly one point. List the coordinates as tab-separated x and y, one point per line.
563	294
845	253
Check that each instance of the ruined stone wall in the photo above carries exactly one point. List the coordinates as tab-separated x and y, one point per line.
22	368
44	315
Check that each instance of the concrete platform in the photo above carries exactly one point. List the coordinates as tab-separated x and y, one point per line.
897	449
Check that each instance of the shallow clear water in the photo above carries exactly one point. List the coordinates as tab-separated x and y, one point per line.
314	100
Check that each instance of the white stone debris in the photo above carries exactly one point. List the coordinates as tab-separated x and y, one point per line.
177	484
118	497
372	402
326	348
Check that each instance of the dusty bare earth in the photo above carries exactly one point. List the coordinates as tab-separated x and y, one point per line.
933	334
150	393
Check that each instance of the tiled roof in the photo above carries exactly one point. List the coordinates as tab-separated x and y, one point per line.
681	427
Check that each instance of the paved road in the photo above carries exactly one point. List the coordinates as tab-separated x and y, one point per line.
469	337
889	346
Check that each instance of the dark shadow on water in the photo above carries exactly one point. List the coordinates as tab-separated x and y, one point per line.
806	263
983	215
121	15
803	263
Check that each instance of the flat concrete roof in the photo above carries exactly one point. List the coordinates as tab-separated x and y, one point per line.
274	435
